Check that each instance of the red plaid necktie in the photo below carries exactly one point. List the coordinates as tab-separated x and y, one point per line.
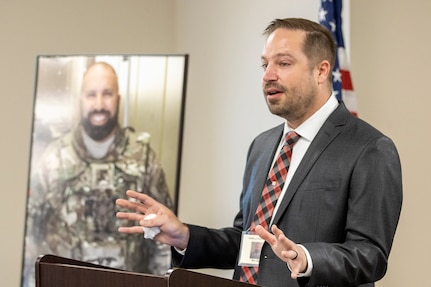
271	191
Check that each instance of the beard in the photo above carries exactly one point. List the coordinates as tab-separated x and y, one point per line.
295	103
99	133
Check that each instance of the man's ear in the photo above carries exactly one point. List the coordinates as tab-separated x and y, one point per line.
323	71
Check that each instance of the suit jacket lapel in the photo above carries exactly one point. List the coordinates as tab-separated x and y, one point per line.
270	143
324	137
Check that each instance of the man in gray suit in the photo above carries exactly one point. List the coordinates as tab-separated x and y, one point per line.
335	220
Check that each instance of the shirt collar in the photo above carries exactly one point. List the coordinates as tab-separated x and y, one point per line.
309	129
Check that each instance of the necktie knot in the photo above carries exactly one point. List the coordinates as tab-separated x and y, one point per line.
291	138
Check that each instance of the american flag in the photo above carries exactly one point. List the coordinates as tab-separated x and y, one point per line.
330	17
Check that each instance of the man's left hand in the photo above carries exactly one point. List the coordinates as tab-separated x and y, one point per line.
285	249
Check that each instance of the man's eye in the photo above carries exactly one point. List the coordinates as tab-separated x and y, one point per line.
108	94
264	66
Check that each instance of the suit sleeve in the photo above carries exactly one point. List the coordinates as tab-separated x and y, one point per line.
216	248
211	248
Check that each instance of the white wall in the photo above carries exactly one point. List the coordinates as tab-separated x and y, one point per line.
225	108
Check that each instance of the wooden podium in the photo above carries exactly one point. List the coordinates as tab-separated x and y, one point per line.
55	271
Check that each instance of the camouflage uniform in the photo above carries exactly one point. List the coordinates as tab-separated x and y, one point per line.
72	203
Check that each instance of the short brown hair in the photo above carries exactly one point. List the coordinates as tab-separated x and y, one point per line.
319	44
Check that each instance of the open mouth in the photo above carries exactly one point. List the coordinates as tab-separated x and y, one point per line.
99	118
271	92
273	89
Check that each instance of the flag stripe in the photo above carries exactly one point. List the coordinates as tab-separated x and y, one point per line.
330	17
346	80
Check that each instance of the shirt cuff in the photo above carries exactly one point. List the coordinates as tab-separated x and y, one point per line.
307	272
182	252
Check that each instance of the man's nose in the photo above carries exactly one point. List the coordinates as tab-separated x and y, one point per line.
98	102
269	74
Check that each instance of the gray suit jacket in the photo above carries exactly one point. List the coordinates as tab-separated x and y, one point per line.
343	205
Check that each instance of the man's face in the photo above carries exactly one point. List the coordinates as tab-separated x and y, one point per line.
289	84
99	102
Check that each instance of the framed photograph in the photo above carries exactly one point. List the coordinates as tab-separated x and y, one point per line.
102	124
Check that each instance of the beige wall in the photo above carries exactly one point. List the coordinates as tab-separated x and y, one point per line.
29	28
225	108
391	45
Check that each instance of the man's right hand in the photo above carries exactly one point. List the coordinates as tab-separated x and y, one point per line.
172	231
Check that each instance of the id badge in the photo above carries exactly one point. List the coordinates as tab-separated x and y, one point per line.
251	246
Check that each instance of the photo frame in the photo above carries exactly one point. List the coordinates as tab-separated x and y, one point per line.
102	124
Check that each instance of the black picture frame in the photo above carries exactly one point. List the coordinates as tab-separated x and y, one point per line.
152	91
